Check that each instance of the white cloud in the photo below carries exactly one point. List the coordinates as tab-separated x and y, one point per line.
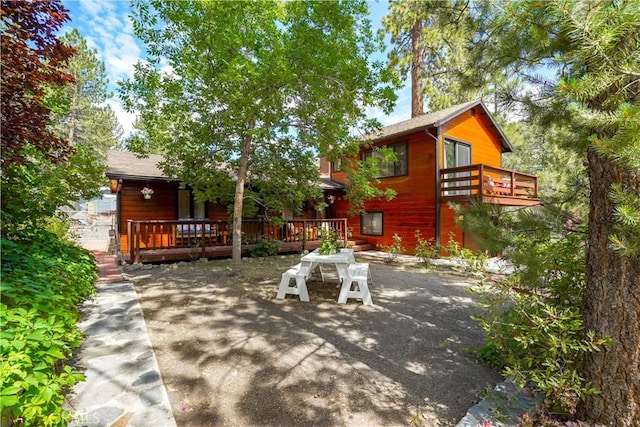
125	119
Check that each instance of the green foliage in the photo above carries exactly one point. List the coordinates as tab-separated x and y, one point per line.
534	321
433	37
329	241
426	249
43	281
394	249
265	247
295	83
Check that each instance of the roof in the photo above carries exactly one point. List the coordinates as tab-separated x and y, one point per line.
438	118
326	183
125	164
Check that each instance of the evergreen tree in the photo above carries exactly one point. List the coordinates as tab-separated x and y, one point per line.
594	48
432	41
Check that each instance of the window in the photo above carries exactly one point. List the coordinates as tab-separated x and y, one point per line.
387	169
371	223
188	207
457	154
336	166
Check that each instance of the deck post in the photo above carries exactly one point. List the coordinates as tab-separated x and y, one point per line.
481	180
513	183
130	239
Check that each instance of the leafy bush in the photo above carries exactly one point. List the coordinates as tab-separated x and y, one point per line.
265	247
534	323
43	281
394	249
426	249
329	242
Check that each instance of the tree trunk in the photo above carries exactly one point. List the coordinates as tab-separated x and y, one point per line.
417	106
612	306
236	249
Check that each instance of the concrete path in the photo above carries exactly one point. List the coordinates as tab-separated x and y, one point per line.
123	385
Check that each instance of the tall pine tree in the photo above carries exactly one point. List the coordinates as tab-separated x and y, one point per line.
594	49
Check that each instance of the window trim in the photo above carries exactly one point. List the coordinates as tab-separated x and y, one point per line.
381	223
392	146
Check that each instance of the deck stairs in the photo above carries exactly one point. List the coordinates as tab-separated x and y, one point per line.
359	245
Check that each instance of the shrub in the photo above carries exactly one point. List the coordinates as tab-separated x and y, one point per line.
426	249
394	249
329	241
534	323
265	247
43	281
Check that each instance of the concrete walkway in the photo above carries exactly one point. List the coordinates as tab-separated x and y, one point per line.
123	385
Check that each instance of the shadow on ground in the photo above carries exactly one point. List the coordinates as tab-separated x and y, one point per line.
231	354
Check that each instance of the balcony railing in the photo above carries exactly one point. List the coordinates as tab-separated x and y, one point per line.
195	238
489	184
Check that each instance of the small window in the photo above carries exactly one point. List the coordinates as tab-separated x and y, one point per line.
371	223
336	166
387	169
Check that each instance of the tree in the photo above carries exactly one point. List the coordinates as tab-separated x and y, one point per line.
32	60
32	68
594	48
431	41
240	96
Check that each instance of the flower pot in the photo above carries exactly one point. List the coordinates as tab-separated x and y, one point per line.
147	196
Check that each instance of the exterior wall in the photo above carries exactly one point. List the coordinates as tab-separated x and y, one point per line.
485	149
132	205
414	206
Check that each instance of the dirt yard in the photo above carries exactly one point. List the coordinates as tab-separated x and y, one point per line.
231	354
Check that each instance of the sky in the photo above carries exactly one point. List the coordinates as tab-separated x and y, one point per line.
106	27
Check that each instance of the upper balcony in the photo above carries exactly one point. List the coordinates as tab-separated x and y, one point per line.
488	184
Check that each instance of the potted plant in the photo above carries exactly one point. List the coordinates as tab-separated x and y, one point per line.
329	243
331	198
146	192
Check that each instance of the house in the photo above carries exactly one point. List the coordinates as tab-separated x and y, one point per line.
451	155
158	218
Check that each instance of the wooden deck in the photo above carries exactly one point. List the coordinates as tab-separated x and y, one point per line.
158	241
488	184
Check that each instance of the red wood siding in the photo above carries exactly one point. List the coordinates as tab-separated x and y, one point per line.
132	205
414	206
485	148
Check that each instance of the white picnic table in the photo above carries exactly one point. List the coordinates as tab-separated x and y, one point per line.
343	261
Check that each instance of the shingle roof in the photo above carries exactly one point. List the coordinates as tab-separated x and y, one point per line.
125	164
437	118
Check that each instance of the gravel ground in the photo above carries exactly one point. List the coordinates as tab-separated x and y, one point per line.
231	354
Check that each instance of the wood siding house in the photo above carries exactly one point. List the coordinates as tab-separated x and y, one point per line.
452	155
171	225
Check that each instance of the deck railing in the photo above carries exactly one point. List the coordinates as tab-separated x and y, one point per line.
479	179
199	234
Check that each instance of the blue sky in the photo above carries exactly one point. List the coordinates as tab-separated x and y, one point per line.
106	27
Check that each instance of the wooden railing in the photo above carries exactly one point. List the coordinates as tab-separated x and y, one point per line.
197	235
476	180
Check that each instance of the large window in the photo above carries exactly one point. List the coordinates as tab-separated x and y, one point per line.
188	207
371	223
387	169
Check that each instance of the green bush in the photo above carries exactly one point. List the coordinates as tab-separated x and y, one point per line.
533	322
394	249
265	247
43	281
329	242
426	249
